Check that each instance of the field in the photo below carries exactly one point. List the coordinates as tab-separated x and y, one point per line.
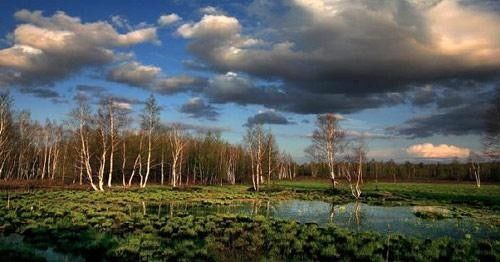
289	220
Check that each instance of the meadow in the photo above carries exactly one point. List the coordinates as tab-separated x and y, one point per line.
233	223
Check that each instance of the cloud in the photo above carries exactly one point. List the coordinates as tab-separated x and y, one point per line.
97	94
121	22
40	92
211	10
121	101
424	96
353	135
450	93
457	113
179	83
122	105
197	108
50	48
200	129
211	26
234	88
134	73
304	57
91	89
151	78
462	120
428	150
317	45
166	20
268	117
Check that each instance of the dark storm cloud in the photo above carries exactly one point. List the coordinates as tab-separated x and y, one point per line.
424	96
353	47
268	117
448	94
451	99
463	120
465	114
347	56
197	108
232	88
40	92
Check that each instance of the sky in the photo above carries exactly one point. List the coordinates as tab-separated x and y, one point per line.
413	76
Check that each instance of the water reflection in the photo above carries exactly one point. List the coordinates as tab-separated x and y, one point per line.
48	253
355	216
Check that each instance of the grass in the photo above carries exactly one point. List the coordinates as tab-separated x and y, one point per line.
443	193
104	225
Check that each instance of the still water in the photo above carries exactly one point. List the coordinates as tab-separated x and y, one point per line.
354	216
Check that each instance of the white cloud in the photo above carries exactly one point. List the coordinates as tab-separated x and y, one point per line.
211	10
122	105
134	73
50	48
428	150
120	22
166	20
472	34
211	25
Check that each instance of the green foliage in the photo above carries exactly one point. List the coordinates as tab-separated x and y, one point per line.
120	225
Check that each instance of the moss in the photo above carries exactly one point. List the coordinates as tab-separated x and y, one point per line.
432	212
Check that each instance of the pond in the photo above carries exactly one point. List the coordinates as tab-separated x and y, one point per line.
48	253
354	216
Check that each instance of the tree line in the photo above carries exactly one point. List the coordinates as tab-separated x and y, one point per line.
103	146
391	171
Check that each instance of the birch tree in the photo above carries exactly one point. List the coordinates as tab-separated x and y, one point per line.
255	141
138	161
117	119
474	160
177	144
5	132
150	119
232	156
82	122
327	141
354	165
271	151
103	130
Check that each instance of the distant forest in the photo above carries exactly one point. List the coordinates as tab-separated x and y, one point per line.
103	146
390	171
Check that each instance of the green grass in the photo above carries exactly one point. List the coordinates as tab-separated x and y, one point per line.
111	224
449	193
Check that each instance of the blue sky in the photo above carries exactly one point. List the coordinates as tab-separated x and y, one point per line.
409	74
